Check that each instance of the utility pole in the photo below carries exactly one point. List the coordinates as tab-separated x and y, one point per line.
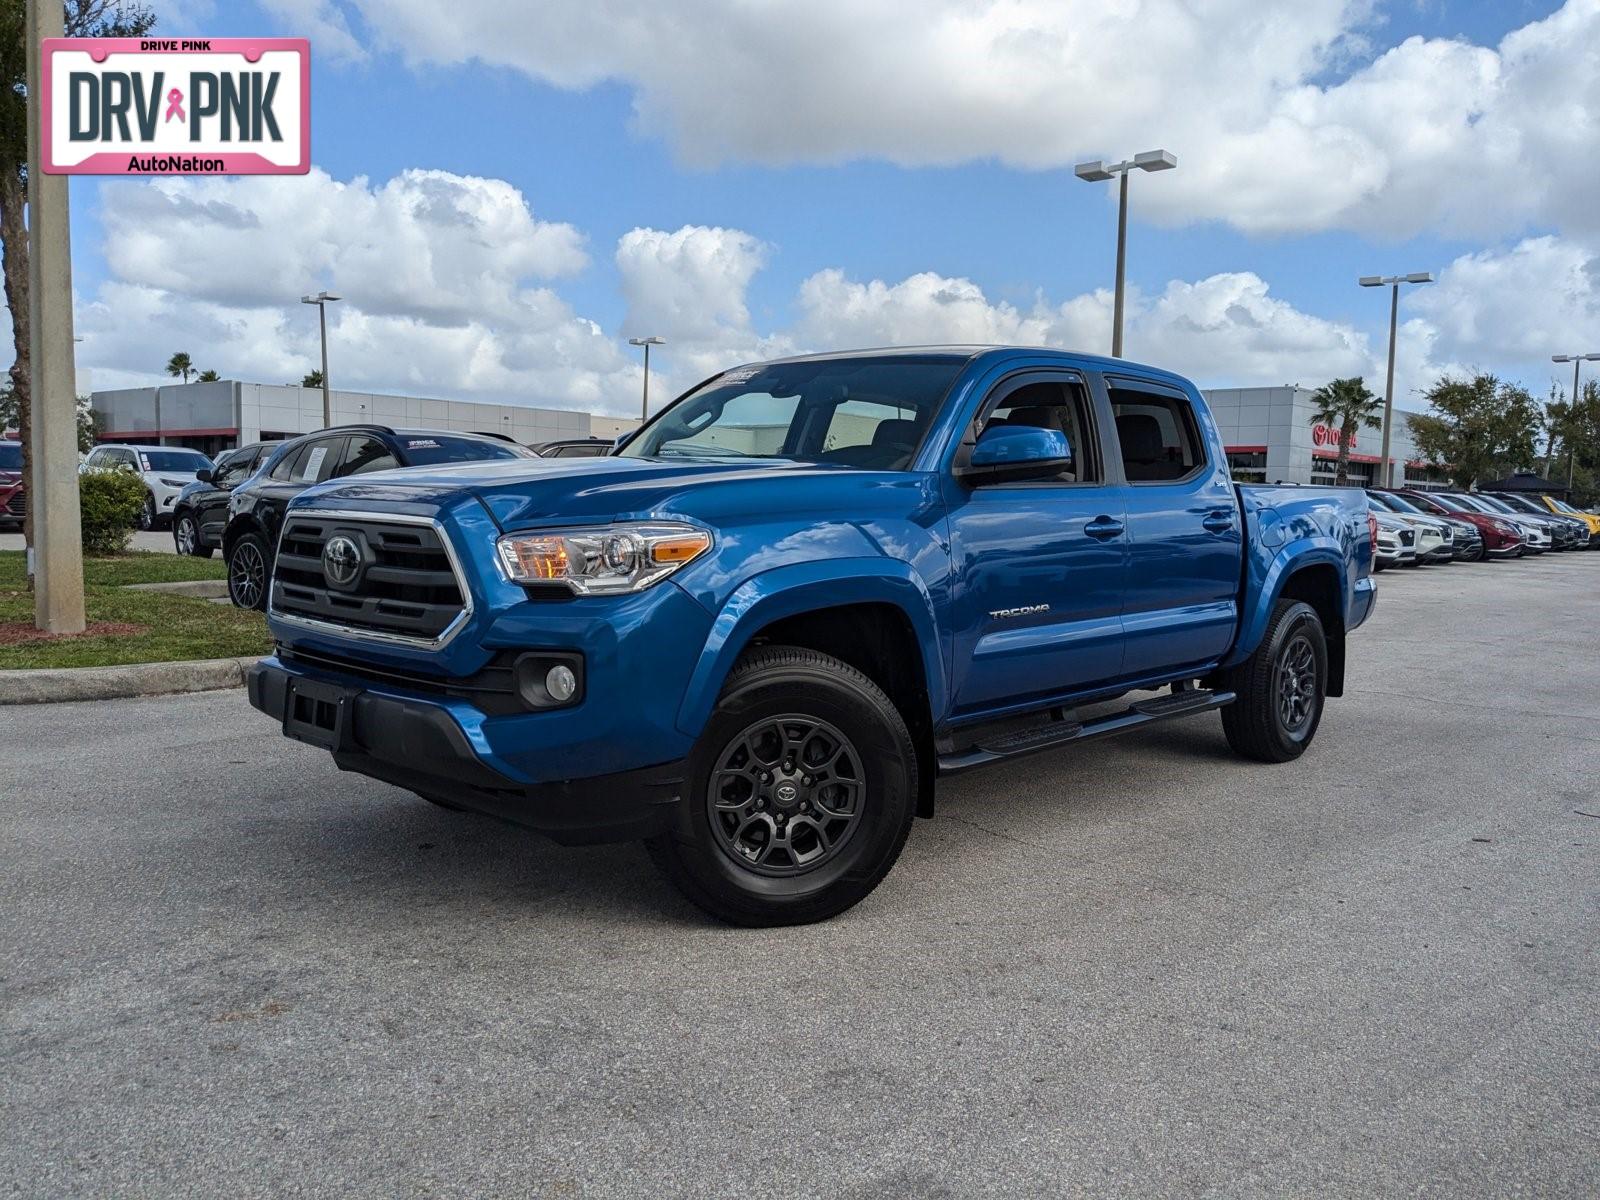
646	342
1098	172
53	449
322	300
1385	467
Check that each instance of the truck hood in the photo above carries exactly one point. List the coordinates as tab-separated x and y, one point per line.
524	492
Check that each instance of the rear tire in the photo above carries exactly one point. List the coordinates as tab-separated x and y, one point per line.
801	792
1281	687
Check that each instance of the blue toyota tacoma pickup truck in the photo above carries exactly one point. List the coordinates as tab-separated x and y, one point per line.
757	632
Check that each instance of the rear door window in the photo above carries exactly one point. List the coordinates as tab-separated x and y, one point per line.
367	454
1158	434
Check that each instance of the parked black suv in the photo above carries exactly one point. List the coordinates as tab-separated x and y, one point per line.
256	506
200	513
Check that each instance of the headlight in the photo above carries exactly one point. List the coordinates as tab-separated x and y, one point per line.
603	561
177	483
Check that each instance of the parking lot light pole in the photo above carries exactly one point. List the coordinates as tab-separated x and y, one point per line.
646	342
322	300
1393	282
58	604
1098	172
1577	361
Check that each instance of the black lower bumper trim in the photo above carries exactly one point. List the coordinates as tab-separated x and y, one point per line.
418	747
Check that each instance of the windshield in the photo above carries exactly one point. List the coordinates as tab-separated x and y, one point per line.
868	413
10	456
1490	504
1400	505
1471	503
1561	504
182	461
1518	504
426	450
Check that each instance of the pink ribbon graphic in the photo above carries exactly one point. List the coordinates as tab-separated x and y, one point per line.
174	106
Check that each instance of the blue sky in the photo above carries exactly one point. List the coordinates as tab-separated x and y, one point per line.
610	156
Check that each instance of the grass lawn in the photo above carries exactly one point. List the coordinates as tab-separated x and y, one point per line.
170	627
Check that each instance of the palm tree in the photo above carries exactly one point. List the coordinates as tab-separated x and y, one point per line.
313	379
180	366
1346	405
207	377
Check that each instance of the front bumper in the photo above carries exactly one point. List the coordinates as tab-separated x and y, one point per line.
420	745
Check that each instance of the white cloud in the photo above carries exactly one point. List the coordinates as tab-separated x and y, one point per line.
446	281
1225	329
1431	133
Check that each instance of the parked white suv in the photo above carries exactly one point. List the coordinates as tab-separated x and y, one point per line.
164	469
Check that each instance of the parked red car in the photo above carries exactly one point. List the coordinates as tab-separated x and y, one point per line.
13	500
1501	539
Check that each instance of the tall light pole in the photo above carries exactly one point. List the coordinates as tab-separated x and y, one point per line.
1098	172
1577	361
53	431
1385	467
646	342
322	300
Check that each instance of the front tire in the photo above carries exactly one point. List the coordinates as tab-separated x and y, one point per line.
1281	687
800	795
186	537
146	519
248	576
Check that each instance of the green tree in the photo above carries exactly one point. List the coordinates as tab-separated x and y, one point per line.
1478	428
1572	451
180	366
88	421
84	18
207	376
312	379
1346	405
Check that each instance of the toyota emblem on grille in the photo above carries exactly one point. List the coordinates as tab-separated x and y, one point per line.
341	561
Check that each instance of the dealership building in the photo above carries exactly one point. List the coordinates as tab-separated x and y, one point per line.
1271	438
216	416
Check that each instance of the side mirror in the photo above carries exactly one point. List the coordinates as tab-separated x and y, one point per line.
1011	453
203	474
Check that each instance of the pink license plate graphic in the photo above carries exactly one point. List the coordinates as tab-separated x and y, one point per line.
176	106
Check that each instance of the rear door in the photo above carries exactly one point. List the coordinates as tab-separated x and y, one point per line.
1184	542
1039	564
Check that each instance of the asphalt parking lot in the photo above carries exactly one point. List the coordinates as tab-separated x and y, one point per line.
1140	967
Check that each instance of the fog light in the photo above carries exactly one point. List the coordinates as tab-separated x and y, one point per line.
561	683
548	678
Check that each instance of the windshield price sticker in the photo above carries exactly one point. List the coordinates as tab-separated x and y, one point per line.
144	461
176	106
314	463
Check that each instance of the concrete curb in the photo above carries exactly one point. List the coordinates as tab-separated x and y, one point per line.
205	589
55	684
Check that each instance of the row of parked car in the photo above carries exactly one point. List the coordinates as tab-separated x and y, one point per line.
1416	527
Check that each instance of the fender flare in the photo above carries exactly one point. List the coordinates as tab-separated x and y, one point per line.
1290	558
807	587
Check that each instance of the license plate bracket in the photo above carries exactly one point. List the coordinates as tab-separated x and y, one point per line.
318	713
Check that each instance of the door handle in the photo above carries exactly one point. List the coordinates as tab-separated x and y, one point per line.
1218	522
1103	528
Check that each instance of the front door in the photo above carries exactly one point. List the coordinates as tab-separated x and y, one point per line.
1039	564
1185	545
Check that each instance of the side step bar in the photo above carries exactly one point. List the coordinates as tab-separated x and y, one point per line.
1059	733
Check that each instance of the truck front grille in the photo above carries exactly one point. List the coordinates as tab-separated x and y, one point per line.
403	583
17	505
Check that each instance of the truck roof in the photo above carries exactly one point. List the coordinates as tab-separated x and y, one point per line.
1098	362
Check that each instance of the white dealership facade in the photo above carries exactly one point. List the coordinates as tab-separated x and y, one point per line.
1271	437
215	416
